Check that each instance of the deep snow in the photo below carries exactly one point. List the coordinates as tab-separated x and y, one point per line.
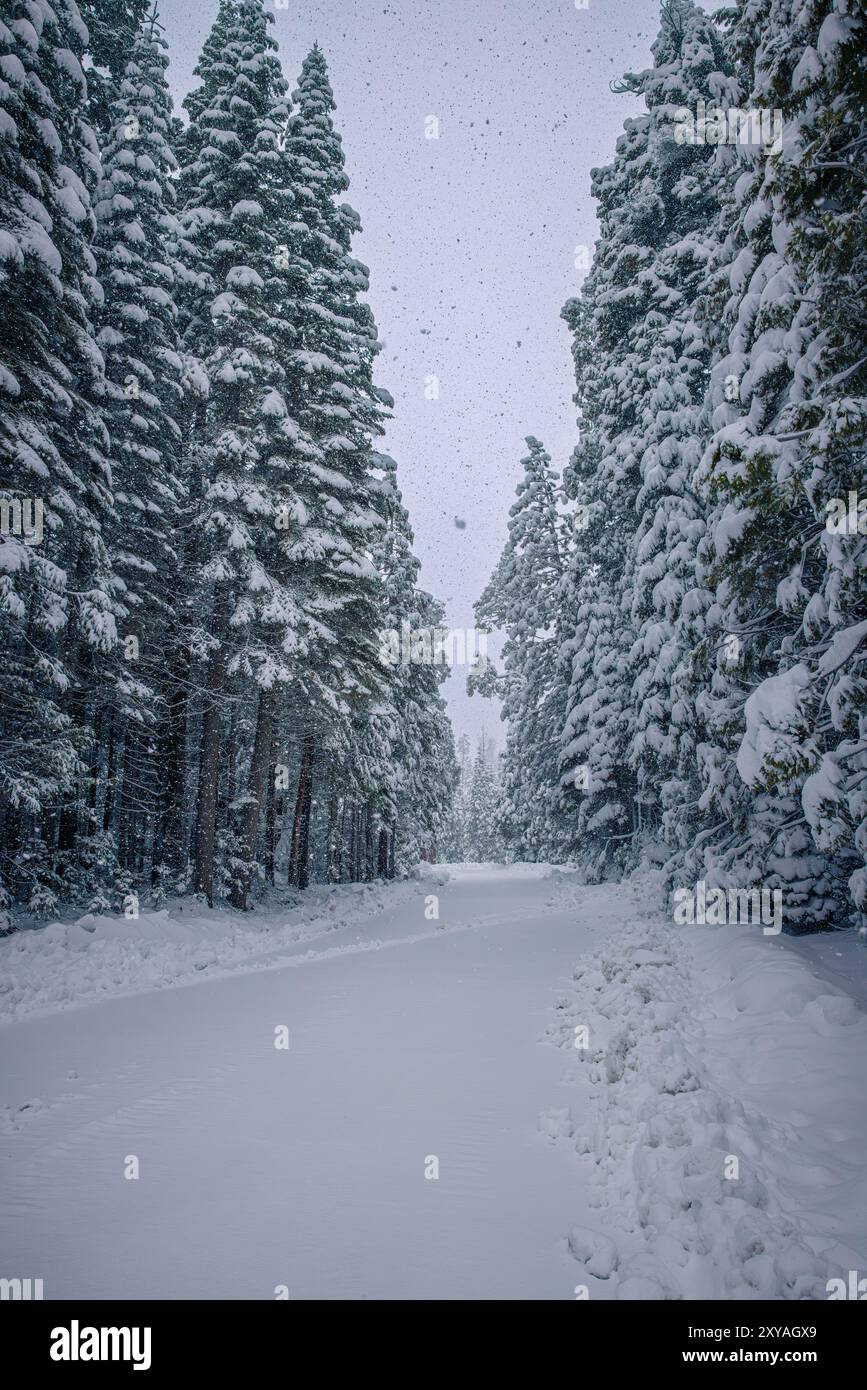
410	1038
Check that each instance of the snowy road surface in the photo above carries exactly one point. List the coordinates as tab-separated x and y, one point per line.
306	1167
410	1040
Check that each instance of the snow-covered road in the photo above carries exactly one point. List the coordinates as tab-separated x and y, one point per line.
413	1040
305	1167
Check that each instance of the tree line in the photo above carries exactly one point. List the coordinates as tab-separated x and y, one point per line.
684	671
192	693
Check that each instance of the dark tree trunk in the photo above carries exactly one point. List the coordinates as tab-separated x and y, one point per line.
209	755
299	872
110	773
331	857
382	854
351	854
171	846
270	824
257	792
369	870
341	842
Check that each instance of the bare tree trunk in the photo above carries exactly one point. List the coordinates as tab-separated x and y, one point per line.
209	754
108	804
382	854
270	823
171	844
299	873
353	826
341	842
368	841
331	856
257	792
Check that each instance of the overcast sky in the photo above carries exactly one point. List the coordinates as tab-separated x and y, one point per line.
470	238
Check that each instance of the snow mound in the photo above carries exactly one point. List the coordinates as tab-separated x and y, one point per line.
64	964
723	1120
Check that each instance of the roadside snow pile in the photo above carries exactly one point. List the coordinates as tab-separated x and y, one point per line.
64	964
722	1117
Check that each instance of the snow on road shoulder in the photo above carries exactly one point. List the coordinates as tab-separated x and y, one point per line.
719	1115
66	964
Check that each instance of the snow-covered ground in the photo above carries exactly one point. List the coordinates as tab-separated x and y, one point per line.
418	1043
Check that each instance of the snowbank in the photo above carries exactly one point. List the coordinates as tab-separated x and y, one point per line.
722	1115
66	964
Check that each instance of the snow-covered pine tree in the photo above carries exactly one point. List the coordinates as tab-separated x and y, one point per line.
55	589
113	26
136	245
783	760
343	485
236	207
454	838
602	480
819	189
484	844
524	600
662	586
421	751
642	369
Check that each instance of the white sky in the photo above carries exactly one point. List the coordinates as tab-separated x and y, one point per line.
470	238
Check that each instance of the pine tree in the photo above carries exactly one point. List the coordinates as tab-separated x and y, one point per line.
642	369
136	246
421	748
523	599
56	592
113	27
781	762
667	599
454	840
236	205
484	844
343	486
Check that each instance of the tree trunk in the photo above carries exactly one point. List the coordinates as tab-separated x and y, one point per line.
172	847
270	824
350	857
209	755
368	842
256	793
299	874
110	774
331	853
382	854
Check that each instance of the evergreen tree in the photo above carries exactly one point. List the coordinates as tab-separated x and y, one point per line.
343	486
455	844
56	587
641	369
484	844
236	205
523	599
136	247
783	761
113	27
